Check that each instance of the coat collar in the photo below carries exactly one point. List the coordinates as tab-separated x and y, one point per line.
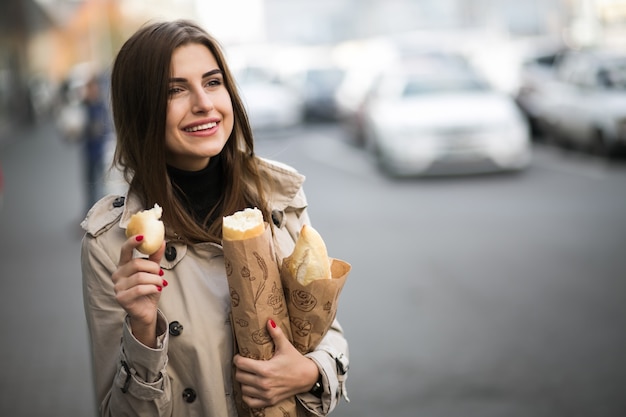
287	184
284	194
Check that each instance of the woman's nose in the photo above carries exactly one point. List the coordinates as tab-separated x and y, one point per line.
202	102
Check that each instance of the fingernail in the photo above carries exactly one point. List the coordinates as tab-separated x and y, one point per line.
272	324
159	288
161	273
165	283
139	238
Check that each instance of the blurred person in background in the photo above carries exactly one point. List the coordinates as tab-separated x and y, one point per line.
161	337
96	131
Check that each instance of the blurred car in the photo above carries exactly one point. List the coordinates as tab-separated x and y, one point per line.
270	103
319	86
434	117
584	105
537	69
358	84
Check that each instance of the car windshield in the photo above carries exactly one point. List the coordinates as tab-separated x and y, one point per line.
441	84
327	77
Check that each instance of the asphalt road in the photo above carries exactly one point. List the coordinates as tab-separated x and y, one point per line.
498	295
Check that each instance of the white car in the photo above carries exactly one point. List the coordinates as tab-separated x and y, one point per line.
584	104
434	117
270	103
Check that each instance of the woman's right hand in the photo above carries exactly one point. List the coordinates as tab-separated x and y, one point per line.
138	283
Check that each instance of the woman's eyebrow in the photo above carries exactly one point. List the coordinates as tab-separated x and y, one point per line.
212	72
205	75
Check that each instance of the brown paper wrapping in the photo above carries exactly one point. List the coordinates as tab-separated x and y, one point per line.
260	290
313	307
256	296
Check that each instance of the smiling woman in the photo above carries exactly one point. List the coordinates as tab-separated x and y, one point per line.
161	335
199	113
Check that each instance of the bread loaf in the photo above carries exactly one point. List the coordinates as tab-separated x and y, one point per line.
309	260
244	224
147	224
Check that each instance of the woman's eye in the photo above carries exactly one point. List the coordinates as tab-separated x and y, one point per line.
213	83
174	90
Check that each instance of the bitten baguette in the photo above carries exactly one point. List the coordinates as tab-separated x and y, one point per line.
147	224
244	224
309	260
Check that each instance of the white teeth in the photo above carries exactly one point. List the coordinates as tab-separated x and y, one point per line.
201	127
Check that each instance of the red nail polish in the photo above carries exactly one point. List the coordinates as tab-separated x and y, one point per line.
139	238
165	283
161	272
272	324
159	288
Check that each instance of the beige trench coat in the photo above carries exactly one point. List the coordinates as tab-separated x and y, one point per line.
190	373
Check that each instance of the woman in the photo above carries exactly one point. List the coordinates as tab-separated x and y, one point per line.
160	333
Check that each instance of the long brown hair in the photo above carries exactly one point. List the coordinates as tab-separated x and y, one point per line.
139	98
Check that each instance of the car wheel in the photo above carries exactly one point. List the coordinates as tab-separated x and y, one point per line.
598	144
378	156
550	133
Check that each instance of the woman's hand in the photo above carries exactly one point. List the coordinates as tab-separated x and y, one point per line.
138	283
287	373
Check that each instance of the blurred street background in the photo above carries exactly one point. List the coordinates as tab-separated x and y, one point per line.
489	276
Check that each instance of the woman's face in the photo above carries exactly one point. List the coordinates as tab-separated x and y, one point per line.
199	111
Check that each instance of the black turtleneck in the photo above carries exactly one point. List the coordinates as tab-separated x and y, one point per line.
199	190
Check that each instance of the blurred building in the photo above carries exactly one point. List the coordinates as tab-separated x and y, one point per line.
20	22
584	21
328	20
41	41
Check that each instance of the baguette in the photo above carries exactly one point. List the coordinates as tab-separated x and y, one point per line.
244	224
309	260
147	224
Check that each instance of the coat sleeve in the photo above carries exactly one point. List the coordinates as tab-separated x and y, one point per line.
130	378
332	359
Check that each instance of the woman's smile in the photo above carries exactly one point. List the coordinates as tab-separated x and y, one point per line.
201	128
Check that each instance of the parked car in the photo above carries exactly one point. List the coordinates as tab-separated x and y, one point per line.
536	71
359	82
584	104
270	103
434	117
318	86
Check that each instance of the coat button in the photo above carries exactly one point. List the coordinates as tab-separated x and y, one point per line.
170	252
118	202
277	218
175	328
189	395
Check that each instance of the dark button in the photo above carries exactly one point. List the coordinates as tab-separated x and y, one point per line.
189	395
170	252
176	328
118	202
277	218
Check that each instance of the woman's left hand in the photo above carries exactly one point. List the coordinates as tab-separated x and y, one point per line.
287	373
